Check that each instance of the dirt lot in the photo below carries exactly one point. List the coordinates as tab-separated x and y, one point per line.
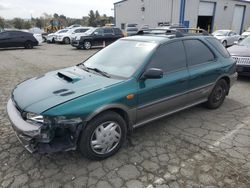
193	148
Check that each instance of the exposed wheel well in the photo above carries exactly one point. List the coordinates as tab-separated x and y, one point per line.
121	112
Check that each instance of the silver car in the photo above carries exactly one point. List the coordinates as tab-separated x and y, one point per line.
227	37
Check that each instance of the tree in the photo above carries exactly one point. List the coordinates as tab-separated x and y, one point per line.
18	23
91	21
26	25
2	22
38	23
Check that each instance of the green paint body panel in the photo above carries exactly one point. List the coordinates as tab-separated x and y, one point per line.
91	92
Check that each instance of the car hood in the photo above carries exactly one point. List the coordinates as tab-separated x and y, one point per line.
44	92
239	50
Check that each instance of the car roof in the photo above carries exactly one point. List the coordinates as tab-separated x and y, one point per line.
160	39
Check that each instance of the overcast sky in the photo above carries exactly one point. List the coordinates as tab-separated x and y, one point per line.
70	8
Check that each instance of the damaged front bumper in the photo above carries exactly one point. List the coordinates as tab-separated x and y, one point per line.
43	139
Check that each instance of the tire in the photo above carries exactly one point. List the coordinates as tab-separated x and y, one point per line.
108	142
217	95
53	41
224	43
66	40
28	45
87	45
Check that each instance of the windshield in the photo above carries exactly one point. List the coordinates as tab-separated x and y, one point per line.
90	31
245	42
220	33
121	58
63	31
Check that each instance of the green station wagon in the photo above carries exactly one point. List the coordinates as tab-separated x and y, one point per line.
94	105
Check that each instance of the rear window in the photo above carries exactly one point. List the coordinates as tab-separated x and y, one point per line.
197	52
219	47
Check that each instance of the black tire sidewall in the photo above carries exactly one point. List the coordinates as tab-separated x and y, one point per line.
66	40
85	139
210	103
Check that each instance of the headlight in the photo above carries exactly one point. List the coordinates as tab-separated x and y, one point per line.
32	117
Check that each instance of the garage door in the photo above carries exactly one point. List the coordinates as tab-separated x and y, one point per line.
238	18
206	9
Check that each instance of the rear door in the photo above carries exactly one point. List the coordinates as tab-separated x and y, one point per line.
157	97
204	69
98	38
109	35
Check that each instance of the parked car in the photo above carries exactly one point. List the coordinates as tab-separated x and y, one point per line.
17	38
79	32
245	34
97	37
241	53
93	105
65	35
227	37
130	31
50	38
37	36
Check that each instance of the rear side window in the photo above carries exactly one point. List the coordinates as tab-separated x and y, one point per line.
197	52
169	57
117	31
108	31
219	47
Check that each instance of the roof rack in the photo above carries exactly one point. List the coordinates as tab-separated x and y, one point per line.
177	32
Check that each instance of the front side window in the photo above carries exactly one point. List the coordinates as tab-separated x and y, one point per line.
125	64
98	32
169	57
197	52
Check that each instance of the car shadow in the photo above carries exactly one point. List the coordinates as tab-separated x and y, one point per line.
16	48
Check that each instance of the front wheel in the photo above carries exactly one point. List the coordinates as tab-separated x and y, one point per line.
66	40
87	45
103	136
217	95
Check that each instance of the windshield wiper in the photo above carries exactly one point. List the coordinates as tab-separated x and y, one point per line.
96	70
99	71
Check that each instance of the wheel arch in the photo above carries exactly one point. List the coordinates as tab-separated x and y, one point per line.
127	114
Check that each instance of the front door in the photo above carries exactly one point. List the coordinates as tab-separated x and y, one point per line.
157	97
98	38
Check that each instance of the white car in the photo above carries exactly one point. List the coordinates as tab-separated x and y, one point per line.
65	35
50	38
245	34
79	32
227	37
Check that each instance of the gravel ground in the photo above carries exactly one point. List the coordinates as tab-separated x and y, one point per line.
194	148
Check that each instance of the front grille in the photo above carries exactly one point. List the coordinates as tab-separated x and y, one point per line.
242	60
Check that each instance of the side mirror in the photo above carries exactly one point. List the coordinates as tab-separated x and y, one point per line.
152	73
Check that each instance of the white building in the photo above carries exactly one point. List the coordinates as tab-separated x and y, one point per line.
207	14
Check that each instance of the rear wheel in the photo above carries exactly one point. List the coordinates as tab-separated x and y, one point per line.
66	40
103	136
87	45
28	45
217	95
